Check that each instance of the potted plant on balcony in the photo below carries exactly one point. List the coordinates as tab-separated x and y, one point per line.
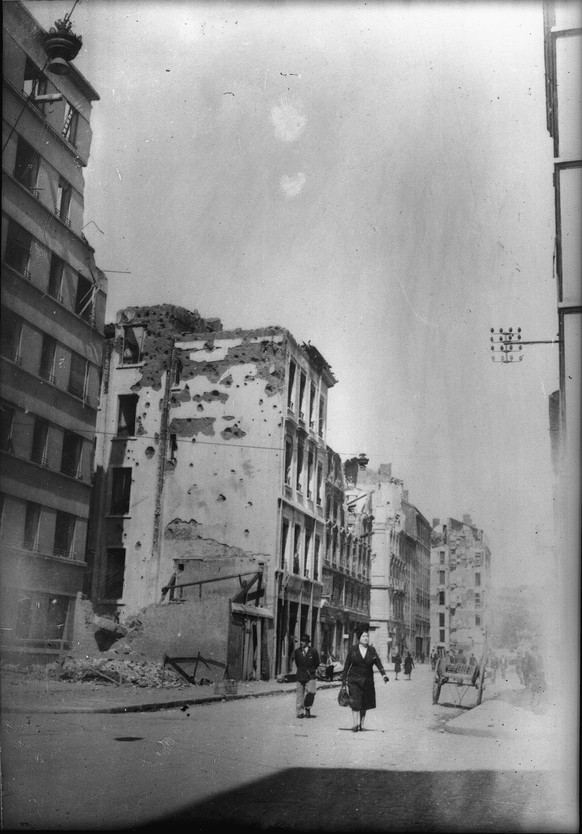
61	46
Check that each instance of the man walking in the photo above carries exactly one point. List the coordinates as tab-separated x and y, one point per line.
306	661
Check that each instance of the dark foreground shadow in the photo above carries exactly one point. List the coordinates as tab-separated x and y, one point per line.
305	799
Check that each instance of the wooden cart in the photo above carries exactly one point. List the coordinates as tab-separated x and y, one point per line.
460	678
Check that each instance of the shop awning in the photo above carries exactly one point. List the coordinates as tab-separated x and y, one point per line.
251	610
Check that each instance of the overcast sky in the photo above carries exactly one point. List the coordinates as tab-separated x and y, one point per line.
375	177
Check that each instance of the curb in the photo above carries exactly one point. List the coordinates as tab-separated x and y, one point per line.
154	706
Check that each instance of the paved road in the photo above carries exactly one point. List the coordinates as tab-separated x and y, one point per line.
253	763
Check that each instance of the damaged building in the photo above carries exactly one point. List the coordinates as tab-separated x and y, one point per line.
53	310
214	484
460	578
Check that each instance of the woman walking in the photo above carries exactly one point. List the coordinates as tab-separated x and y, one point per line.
359	675
408	664
397	665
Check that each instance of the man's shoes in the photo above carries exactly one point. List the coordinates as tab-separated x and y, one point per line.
355	729
301	716
307	713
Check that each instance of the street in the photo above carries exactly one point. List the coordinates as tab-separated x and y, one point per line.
251	762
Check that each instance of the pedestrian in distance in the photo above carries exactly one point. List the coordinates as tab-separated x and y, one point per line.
359	675
433	660
397	665
408	664
306	660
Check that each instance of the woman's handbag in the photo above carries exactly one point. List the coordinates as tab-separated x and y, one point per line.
343	696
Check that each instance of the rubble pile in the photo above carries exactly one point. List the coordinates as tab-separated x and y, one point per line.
109	669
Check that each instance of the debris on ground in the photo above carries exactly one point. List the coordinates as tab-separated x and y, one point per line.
108	668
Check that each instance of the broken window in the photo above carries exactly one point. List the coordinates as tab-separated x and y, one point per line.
173	444
120	490
63	202
299	481
39	449
291	383
85	301
32	525
307	552
64	534
18	248
442	635
477	579
316	557
11	336
70	124
56	618
284	538
47	358
297	549
319	495
133	341
477	600
114	573
441	577
312	393
302	381
71	455
78	376
321	416
35	85
441	597
127	407
310	458
26	165
477	619
288	460
442	557
56	274
6	424
441	620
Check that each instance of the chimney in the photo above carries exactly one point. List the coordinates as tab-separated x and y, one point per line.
385	471
435	522
467	519
405	495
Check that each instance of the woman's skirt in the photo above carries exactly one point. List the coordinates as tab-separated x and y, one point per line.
363	694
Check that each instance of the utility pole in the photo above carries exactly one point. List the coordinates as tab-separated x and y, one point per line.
508	341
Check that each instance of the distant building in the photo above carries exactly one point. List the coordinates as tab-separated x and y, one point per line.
53	303
460	576
399	604
214	488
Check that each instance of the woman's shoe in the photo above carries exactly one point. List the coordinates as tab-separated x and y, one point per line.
355	729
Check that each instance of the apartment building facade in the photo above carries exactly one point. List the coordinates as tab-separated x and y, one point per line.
53	307
562	50
400	559
460	579
215	486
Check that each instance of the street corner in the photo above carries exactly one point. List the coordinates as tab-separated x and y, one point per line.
499	719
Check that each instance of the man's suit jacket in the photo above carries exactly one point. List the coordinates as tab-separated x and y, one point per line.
306	663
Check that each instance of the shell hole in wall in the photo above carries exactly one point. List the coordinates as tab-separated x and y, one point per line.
221	497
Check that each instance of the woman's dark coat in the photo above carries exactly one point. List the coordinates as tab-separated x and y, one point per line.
408	664
359	673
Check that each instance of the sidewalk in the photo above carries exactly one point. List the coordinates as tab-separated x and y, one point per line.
506	711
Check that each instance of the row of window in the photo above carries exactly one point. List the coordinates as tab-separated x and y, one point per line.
443	578
32	437
349	554
302	399
44	356
43	529
59	280
300	551
301	470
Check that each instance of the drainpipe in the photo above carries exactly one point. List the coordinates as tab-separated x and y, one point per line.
161	474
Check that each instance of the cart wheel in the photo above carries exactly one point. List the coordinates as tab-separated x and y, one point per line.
436	689
480	687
